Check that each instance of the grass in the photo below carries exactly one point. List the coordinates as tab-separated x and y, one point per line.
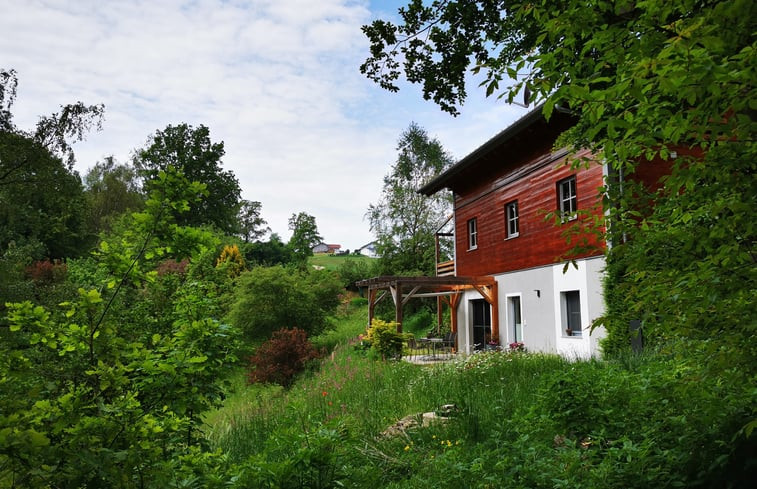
521	420
333	262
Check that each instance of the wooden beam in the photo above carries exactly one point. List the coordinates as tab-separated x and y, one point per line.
407	297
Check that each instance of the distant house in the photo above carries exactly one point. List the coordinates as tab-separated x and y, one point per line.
321	248
368	249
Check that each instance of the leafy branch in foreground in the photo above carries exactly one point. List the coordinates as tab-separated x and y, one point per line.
120	402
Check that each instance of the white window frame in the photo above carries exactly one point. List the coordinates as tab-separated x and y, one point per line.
472	233
567	198
512	220
510	320
564	313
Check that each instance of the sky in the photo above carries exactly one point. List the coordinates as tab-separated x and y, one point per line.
277	81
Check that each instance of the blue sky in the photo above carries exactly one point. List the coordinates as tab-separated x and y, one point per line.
277	80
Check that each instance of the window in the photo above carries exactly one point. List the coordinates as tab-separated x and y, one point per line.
566	198
511	219
514	316
472	234
570	302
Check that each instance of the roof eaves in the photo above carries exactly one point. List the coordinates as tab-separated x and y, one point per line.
441	181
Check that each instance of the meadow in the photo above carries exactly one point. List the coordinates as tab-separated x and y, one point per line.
666	418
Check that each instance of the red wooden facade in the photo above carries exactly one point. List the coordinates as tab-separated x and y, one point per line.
519	165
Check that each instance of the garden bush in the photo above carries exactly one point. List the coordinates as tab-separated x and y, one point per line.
280	359
269	298
384	339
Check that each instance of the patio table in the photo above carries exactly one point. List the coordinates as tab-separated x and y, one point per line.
434	342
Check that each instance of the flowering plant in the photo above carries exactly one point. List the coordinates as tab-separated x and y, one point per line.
517	346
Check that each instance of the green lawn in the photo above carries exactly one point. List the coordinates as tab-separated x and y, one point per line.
333	262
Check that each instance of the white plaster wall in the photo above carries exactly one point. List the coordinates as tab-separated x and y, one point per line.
586	278
541	311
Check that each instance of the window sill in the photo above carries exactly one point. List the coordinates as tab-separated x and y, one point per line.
473	249
512	237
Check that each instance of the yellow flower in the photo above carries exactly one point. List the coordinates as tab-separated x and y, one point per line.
407	448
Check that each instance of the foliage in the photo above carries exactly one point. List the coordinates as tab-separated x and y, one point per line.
352	269
280	359
191	151
40	198
252	227
405	221
112	189
233	261
115	380
384	339
267	299
54	132
268	253
645	81
46	271
304	236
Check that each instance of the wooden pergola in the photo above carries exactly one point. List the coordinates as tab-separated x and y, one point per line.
448	289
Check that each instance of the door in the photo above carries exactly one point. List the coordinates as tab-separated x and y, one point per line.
514	317
482	323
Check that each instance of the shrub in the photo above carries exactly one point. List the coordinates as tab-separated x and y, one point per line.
281	358
45	271
384	338
268	298
172	267
351	271
233	261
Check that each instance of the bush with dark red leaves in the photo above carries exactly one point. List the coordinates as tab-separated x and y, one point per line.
280	359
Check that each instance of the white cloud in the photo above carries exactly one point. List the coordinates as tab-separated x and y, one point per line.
276	80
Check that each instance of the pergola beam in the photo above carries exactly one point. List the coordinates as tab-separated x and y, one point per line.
448	289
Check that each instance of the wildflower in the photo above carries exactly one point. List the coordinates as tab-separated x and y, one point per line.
407	448
324	393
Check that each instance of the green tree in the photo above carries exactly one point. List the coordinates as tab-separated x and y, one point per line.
40	199
405	221
191	151
112	189
252	226
268	253
304	236
645	80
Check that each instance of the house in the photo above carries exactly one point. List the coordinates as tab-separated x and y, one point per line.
326	248
368	250
509	281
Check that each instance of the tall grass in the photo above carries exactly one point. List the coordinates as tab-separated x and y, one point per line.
521	420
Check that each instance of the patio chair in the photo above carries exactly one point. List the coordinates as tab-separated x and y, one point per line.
416	348
449	343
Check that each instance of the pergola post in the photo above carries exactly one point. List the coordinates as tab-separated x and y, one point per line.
371	304
495	310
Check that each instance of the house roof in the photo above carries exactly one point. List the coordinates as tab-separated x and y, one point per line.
505	136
